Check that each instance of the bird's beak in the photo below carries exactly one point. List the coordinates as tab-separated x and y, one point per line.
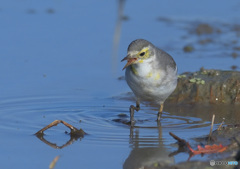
130	60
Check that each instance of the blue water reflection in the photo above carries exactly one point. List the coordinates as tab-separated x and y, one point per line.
56	63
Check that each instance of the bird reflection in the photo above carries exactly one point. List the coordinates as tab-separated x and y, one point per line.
147	152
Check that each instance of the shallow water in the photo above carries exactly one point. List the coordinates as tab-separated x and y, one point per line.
57	62
106	139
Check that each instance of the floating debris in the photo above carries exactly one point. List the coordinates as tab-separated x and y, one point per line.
188	48
234	55
237	48
204	29
205	41
234	67
50	11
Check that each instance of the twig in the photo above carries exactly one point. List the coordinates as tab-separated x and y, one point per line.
74	130
181	142
219	128
53	163
175	137
210	134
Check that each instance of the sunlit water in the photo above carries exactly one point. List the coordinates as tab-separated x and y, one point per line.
56	63
106	139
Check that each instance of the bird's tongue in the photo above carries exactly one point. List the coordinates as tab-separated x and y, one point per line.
129	62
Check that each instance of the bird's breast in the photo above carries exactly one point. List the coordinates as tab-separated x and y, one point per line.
146	72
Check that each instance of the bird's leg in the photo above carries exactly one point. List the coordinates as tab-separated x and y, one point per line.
160	112
131	109
137	105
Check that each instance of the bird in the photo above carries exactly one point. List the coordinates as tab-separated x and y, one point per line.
151	73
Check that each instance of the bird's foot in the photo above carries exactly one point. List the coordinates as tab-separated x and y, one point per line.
159	116
131	109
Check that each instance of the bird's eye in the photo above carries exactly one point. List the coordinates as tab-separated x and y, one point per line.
142	54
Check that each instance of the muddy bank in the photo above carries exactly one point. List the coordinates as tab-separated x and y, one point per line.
207	87
227	135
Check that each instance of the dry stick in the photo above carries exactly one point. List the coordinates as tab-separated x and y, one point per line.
176	137
74	130
181	142
210	134
54	123
53	163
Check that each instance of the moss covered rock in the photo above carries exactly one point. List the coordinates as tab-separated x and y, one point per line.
207	86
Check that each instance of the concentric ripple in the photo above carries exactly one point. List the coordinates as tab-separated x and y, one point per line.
102	119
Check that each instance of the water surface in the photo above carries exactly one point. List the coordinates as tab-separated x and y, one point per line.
57	63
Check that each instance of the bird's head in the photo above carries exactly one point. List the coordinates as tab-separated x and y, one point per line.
139	51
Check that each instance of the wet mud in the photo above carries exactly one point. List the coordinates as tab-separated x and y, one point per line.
227	135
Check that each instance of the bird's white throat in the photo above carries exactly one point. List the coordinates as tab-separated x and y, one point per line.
144	68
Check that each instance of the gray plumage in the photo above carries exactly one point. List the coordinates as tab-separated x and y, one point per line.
138	44
166	59
151	73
